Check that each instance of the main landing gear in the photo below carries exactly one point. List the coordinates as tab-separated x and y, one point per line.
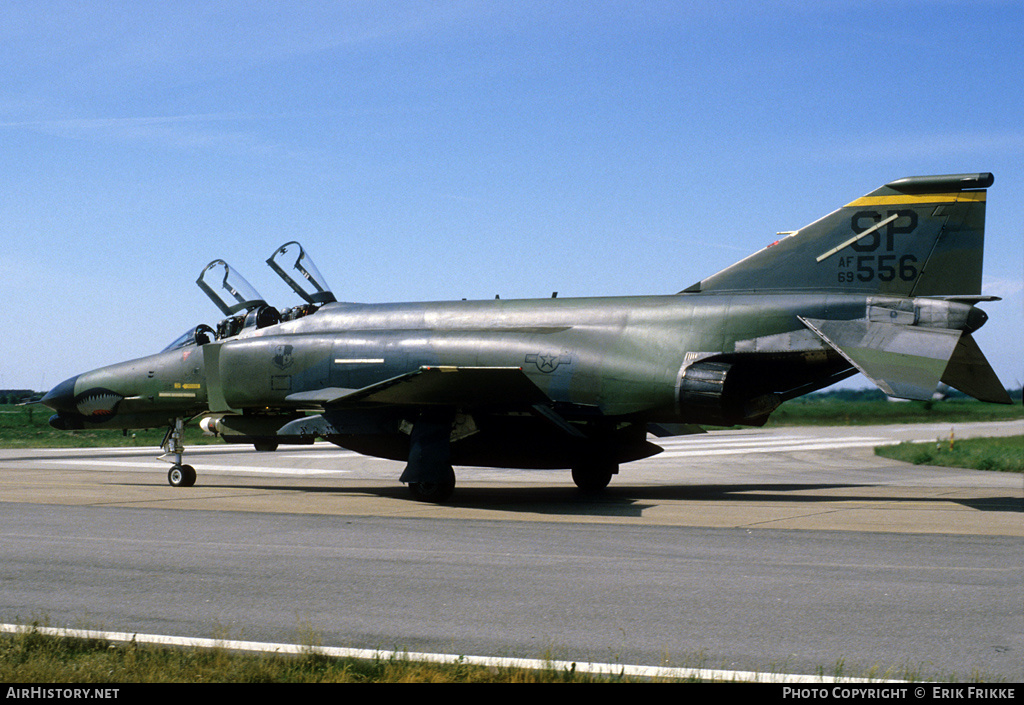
179	475
594	475
429	472
435	492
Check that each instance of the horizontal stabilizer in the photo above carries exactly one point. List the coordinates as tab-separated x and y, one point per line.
438	386
909	362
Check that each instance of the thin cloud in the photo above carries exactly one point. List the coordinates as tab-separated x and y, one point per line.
922	146
172	131
1003	288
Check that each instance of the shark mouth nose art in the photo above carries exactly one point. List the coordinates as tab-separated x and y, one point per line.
97	402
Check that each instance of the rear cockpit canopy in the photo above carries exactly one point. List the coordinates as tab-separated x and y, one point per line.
302	275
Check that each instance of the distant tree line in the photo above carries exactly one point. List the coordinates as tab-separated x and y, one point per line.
875	394
17	396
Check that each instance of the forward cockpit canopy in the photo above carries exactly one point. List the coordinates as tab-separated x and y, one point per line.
230	292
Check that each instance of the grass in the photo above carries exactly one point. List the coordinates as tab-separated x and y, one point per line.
827	410
28	426
36	654
998	454
30	656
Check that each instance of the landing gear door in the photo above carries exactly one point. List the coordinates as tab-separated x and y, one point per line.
228	289
293	265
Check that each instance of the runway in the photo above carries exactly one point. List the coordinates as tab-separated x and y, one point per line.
786	550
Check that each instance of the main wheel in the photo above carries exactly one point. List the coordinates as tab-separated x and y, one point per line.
181	476
432	491
265	446
593	477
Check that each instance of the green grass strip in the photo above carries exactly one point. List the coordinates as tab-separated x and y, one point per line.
1004	454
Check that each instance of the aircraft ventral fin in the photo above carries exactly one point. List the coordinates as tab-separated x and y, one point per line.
970	372
909	362
666	430
437	386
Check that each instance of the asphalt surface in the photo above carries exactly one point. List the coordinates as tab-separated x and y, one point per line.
785	550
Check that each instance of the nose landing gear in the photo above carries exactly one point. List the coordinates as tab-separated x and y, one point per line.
179	475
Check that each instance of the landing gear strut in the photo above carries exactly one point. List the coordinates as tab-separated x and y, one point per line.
179	475
429	473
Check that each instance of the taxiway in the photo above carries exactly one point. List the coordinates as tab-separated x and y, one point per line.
787	550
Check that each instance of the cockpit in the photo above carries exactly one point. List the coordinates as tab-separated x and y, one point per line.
245	308
303	277
200	335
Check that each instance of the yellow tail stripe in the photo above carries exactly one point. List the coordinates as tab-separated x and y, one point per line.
910	199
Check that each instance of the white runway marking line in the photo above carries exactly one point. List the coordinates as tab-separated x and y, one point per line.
682	448
320	453
218	448
204	467
196	457
610	669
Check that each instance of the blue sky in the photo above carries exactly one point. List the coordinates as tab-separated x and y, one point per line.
440	150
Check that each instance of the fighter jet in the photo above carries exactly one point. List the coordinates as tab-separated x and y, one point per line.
887	286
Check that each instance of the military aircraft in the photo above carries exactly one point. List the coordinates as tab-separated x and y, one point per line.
885	285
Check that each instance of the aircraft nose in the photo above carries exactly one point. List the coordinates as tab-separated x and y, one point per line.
61	397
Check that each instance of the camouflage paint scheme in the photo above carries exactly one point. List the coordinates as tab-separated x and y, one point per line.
886	285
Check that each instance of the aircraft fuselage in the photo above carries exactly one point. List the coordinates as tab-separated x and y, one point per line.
616	357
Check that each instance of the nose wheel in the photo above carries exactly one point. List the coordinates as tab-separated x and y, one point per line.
180	475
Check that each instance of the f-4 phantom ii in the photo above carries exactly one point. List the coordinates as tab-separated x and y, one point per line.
885	285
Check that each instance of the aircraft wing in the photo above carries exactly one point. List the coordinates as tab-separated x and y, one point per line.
449	386
436	386
908	362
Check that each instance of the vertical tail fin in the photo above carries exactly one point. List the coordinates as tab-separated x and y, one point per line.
918	236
